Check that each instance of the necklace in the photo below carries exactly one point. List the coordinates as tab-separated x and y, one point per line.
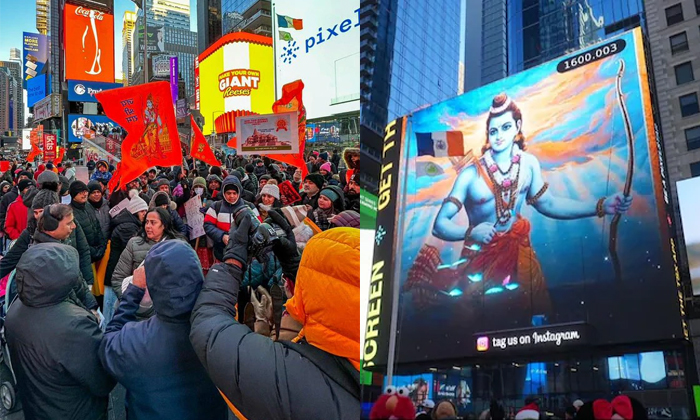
505	185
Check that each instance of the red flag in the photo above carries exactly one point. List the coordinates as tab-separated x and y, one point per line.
146	112
61	151
289	102
33	153
114	181
200	148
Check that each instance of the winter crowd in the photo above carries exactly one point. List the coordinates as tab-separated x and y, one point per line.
202	290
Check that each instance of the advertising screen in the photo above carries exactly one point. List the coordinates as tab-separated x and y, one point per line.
89	44
36	89
84	91
532	211
236	73
96	129
35	52
156	37
318	42
689	203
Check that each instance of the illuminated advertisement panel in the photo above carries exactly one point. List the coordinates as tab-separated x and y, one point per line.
236	75
35	52
98	130
318	42
89	44
689	203
532	214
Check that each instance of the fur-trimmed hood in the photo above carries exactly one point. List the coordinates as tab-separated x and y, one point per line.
152	203
347	157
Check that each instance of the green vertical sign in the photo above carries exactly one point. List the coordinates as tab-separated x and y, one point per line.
368	210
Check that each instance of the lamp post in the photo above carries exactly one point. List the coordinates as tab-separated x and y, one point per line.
142	5
213	123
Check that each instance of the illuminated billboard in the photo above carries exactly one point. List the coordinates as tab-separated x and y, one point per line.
236	78
689	204
35	52
528	215
88	44
318	42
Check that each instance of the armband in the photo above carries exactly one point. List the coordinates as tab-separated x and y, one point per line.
532	200
453	201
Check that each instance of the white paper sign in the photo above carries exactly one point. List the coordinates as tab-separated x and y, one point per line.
195	219
119	207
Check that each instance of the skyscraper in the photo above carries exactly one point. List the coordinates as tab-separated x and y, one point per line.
13	69
4	101
252	16
409	57
42	16
208	23
15	54
127	46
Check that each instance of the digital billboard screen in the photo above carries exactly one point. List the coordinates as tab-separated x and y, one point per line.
36	89
35	52
531	214
689	203
98	130
89	44
318	42
235	74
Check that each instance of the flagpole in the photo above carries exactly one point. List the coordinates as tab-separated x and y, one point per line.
274	46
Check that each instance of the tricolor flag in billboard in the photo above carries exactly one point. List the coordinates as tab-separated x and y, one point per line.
288	22
441	144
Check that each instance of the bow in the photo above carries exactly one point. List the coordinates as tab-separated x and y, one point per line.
612	244
619	408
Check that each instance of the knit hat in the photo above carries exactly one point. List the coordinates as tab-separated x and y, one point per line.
64	185
24	184
46	177
136	204
76	187
323	155
326	167
163	182
215	170
295	214
316	178
315	153
25	173
199	182
161	200
94	186
266	177
347	218
249	168
44	198
271	189
214	177
332	195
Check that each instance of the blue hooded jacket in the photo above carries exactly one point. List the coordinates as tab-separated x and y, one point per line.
154	359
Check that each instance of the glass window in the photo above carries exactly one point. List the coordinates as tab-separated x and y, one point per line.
692	137
674	14
679	42
694	171
697	7
689	104
684	73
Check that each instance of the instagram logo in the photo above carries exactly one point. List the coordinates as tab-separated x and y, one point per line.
482	344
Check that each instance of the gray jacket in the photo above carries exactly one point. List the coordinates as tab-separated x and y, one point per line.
103	216
132	256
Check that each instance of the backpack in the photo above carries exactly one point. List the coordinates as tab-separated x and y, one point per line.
337	369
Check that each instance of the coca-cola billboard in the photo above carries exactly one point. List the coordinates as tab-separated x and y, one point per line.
88	44
104	5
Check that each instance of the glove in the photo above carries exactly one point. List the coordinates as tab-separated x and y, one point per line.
237	247
285	248
262	306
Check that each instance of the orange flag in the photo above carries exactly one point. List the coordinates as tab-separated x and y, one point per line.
200	148
146	112
61	151
289	102
33	153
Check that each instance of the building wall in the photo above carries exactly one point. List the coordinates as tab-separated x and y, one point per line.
4	101
208	23
127	43
241	16
14	70
472	45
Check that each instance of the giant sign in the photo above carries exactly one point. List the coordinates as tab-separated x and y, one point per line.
689	203
324	53
84	91
530	212
88	44
97	129
35	52
235	75
36	89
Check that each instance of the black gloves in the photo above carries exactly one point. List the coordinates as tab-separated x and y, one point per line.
285	248
237	247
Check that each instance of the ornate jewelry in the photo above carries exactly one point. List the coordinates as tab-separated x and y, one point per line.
501	108
532	200
599	210
505	185
453	201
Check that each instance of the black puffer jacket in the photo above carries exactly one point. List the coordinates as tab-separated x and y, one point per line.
86	217
124	227
65	381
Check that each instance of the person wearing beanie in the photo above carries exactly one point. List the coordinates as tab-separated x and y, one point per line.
249	190
162	199
262	181
63	192
86	217
102	173
331	201
352	195
250	171
99	203
48	180
218	216
215	170
39	170
530	411
163	185
214	187
16	220
260	169
312	185
327	173
5	186
269	199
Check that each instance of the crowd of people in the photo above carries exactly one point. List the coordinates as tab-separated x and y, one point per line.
205	291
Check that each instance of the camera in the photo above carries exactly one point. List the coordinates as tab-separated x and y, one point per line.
261	236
